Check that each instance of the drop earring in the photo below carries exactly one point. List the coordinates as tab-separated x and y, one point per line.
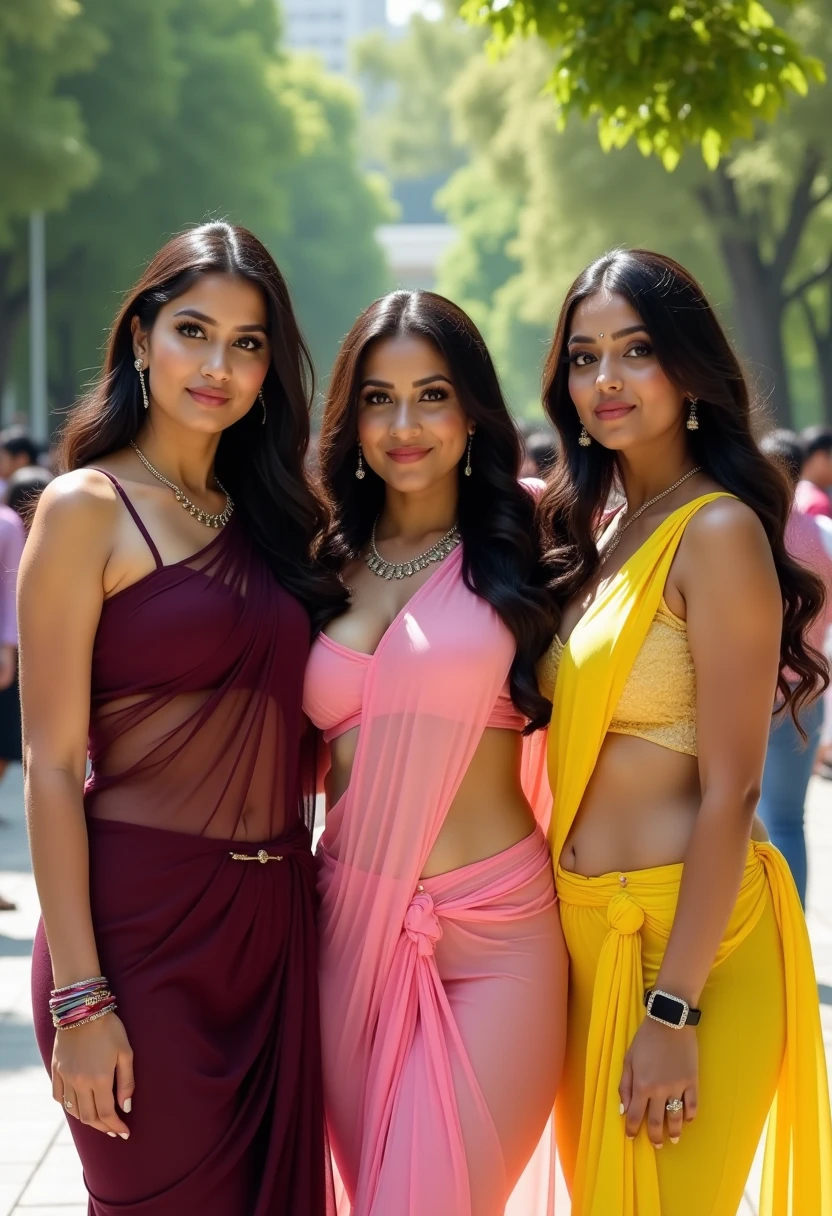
693	422
359	472
139	366
263	403
584	439
468	458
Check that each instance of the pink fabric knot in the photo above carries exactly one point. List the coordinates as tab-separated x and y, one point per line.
421	924
624	914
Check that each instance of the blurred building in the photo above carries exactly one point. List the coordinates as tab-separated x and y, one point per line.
414	251
328	26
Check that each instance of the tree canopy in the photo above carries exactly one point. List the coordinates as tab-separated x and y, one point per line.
538	198
666	74
193	112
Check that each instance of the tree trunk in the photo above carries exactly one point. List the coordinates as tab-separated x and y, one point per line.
822	340
758	298
759	312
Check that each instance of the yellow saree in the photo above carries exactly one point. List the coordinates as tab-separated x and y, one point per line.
612	1176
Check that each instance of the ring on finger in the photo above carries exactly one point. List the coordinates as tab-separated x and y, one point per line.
674	1106
67	1104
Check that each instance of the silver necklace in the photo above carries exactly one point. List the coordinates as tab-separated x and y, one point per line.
436	553
622	528
204	517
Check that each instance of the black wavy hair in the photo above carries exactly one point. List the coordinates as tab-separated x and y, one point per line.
496	513
261	465
696	356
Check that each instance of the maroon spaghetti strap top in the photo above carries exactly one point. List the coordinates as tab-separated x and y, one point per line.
137	519
197	680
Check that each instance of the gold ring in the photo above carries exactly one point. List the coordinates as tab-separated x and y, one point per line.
67	1104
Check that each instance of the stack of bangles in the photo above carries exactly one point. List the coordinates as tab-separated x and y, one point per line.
77	1004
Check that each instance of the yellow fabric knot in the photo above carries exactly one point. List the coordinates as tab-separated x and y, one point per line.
624	914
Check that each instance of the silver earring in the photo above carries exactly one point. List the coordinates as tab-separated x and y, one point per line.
139	366
359	472
693	422
584	439
263	403
468	459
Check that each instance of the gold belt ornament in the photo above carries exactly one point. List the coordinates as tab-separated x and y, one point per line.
261	855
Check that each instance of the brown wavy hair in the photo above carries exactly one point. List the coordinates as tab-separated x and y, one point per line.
262	465
496	513
697	357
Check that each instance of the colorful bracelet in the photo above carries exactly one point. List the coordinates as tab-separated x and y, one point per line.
80	1003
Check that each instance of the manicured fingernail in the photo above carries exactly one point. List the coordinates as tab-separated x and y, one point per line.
621	1108
127	1105
629	1136
675	1139
112	1135
658	1146
124	1135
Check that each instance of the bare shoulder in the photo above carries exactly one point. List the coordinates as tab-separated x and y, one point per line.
77	509
724	559
722	528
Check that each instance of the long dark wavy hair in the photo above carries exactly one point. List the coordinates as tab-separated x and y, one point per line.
262	466
697	357
496	514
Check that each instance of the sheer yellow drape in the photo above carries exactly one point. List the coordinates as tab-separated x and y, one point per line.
615	1177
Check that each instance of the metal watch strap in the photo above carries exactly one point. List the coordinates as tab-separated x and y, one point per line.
688	1016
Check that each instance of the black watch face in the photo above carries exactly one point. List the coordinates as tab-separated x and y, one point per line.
667	1009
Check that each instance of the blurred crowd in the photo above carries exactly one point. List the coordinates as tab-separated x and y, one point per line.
23	476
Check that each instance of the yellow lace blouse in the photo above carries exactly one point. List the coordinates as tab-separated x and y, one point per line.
658	702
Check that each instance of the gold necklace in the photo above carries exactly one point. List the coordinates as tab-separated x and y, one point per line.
204	517
436	553
622	528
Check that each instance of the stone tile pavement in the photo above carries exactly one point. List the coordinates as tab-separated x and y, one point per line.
39	1171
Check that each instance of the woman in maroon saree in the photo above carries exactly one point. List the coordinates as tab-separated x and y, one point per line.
182	870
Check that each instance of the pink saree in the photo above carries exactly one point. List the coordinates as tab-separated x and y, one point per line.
438	995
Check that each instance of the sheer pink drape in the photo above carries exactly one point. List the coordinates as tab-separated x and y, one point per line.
441	998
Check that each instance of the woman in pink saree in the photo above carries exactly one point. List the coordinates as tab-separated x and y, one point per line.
442	963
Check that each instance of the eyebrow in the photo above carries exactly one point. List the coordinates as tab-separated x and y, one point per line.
619	333
416	383
201	316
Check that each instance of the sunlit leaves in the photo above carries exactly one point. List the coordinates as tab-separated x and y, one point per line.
695	73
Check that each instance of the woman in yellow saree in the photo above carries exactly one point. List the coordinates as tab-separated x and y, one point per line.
693	1009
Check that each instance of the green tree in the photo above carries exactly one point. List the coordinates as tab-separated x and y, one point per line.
408	125
194	113
189	124
327	247
43	152
666	75
757	230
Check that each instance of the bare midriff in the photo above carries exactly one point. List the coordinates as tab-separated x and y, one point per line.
489	814
639	810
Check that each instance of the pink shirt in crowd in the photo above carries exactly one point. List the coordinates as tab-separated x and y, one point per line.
12	539
811	499
804	542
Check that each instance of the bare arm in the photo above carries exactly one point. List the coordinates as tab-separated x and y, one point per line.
735	618
59	603
726	574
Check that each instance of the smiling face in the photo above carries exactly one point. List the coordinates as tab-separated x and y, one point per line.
411	425
207	353
617	384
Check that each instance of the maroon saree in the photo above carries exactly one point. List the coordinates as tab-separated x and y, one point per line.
195	738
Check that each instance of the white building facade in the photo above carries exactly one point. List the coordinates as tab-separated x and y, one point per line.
328	26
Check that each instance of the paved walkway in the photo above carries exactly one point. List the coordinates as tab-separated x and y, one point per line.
39	1171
